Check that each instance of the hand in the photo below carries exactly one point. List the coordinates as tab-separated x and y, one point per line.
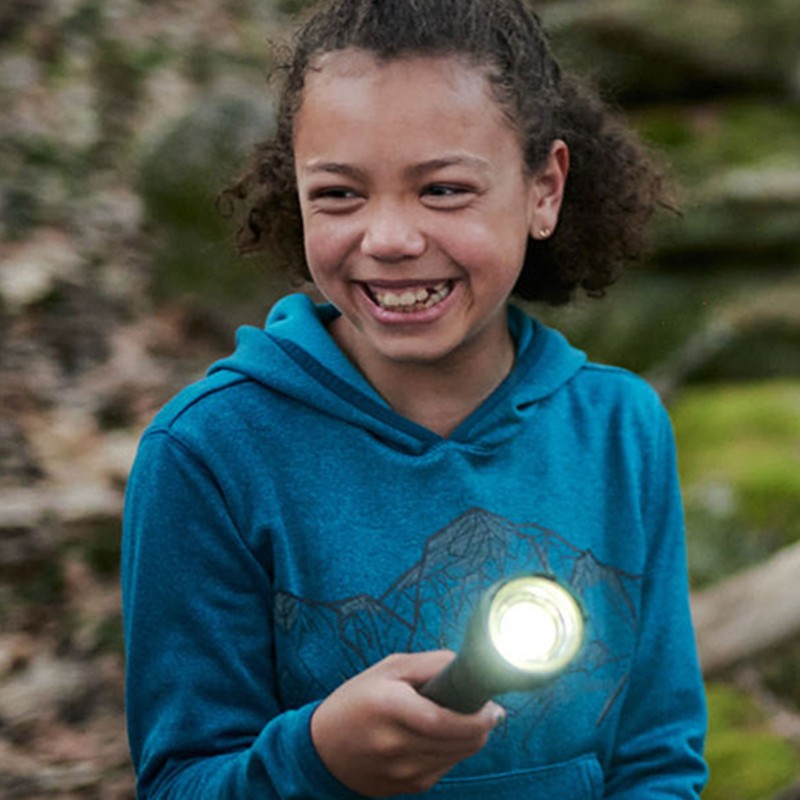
378	736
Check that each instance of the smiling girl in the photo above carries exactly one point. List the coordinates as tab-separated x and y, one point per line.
308	527
416	215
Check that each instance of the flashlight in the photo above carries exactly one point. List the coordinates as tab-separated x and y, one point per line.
524	631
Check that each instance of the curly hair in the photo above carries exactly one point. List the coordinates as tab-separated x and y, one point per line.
613	187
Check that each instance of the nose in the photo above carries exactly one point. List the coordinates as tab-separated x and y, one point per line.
392	233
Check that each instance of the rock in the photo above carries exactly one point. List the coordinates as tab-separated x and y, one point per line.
16	14
30	271
741	200
182	172
43	690
768	186
19	72
754	612
27	510
18	467
109	218
181	177
168	96
698	48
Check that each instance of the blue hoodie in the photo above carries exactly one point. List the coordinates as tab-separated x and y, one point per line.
285	529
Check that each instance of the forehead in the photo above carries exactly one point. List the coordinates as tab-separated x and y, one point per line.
355	63
351	95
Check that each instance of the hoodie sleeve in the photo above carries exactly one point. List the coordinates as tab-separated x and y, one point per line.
203	717
659	748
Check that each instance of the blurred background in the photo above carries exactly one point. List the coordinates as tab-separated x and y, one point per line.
122	119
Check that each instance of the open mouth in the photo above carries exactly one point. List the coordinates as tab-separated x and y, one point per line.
409	299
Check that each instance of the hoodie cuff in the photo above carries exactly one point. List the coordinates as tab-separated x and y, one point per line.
296	770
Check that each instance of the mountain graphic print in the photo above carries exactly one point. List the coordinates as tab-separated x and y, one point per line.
428	605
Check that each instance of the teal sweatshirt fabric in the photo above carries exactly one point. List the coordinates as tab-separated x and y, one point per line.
285	529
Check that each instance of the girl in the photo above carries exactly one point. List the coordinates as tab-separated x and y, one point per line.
308	527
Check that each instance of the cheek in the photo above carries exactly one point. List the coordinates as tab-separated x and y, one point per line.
324	246
494	252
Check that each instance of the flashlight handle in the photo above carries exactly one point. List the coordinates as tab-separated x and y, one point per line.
453	688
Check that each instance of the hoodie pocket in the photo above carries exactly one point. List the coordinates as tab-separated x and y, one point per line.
580	779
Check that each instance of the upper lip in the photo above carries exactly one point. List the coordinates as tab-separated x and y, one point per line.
406	283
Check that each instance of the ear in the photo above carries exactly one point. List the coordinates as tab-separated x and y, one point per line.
547	191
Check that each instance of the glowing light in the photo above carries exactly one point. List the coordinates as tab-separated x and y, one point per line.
535	625
526	632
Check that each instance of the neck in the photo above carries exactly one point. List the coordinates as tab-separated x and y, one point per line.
437	395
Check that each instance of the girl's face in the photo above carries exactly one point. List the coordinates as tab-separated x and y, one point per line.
416	205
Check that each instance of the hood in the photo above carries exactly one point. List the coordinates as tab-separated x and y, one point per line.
294	355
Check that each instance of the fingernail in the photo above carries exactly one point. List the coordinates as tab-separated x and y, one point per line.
499	716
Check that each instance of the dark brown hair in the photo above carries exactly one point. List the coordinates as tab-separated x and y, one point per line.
612	189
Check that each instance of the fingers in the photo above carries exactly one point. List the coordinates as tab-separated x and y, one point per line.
416	668
426	717
405	742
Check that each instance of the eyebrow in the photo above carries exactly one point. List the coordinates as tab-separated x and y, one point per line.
333	168
431	165
455	160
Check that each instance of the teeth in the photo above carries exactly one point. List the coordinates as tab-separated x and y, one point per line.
412	299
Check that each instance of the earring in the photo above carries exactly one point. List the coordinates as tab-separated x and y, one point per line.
544	233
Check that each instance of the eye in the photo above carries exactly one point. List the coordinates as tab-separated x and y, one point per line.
447	195
444	190
332	193
334	199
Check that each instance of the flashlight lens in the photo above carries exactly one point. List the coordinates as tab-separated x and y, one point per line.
528	632
535	625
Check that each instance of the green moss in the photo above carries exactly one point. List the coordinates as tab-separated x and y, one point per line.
42	585
781	673
21	211
102	548
739	457
85	20
120	69
293	6
746	760
765	413
180	179
750	767
110	636
728	707
745	438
